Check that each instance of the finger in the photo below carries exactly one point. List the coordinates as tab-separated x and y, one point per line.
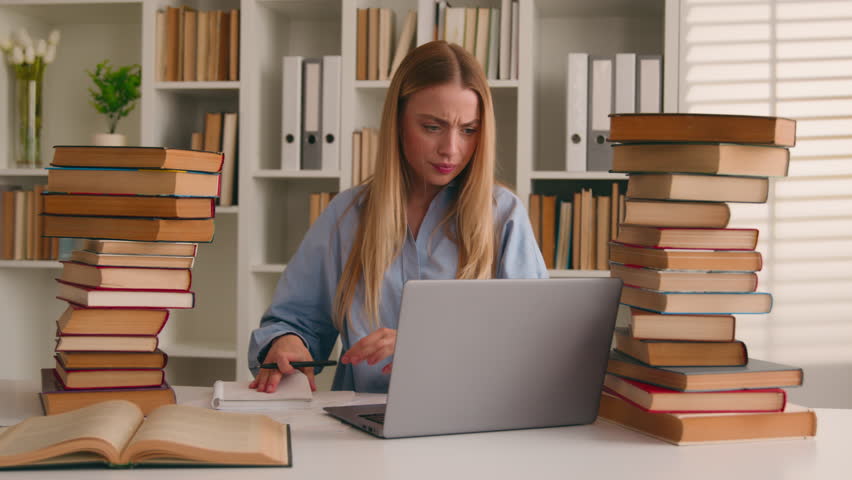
274	377
381	353
260	382
253	383
366	346
387	368
309	372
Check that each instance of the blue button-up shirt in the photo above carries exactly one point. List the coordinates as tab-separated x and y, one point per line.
303	301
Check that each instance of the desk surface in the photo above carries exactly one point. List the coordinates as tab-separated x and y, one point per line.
323	448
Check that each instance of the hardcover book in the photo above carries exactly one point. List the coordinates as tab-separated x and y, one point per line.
115	433
120	228
56	399
684	280
89	378
100	360
101	297
697	188
141	278
679	353
696	127
80	320
705	158
711	303
132	260
701	238
109	205
686	258
140	248
136	157
132	181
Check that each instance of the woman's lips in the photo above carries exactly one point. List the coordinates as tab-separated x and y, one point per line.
444	169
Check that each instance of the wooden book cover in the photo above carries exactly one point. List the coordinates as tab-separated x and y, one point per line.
677	214
140	248
705	158
90	378
8	225
190	34
695	127
683	354
587	230
701	238
548	229
20	225
202	43
138	157
38	223
361	44
172	44
116	433
646	325
535	218
29	239
698	188
129	206
214	27
234	46
697	428
755	374
686	258
613	212
132	182
140	278
80	320
602	232
373	44
576	224
652	398
100	360
137	229
314	208
55	399
710	303
223	68
684	280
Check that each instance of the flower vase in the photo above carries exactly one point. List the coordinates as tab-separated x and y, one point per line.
29	97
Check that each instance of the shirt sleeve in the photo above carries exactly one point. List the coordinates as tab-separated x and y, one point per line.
519	255
302	303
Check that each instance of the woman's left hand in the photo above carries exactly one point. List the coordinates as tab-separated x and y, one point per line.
373	348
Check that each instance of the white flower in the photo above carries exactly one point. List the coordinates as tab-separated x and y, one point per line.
29	55
23	38
41	48
53	38
5	45
51	54
17	57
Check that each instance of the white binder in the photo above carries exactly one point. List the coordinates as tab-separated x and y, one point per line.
311	114
425	21
625	83
577	98
649	88
599	151
331	112
291	113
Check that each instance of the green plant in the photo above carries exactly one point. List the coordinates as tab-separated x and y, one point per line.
117	90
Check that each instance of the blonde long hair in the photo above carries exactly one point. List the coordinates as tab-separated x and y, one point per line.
382	223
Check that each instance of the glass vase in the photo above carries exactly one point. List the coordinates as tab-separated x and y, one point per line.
29	98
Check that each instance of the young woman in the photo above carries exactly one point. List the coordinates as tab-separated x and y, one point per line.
431	210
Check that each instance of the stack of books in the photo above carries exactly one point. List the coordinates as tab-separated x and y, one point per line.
140	212
678	372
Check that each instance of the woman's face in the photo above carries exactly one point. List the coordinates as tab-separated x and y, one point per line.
440	132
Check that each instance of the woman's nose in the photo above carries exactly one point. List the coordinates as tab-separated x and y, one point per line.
449	143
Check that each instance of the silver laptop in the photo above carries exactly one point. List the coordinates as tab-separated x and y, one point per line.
484	355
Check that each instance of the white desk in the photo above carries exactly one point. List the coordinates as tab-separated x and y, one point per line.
323	448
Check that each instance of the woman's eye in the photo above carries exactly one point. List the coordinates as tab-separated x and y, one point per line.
469	131
431	128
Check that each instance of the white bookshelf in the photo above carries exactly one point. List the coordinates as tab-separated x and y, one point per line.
236	275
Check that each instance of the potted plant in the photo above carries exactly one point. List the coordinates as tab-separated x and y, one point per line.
115	96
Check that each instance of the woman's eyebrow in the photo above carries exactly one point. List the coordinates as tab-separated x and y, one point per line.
426	116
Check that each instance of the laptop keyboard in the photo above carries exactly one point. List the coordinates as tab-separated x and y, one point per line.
375	417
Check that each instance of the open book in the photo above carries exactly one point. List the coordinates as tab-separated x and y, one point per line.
115	433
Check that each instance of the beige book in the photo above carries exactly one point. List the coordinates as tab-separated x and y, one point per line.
677	214
386	30
613	213
197	141
160	52
234	46
38	223
314	208
535	217
684	280
20	250
8	225
214	20
483	20
403	45
190	23
31	225
576	243
202	45
587	230
373	44
548	229
645	325
361	44
132	260
602	227
172	46
700	188
563	241
140	248
356	158
116	433
470	30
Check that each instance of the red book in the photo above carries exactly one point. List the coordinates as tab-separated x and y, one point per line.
57	399
656	399
126	277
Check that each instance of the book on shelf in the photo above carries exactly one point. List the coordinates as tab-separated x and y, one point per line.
141	278
137	157
100	297
100	360
80	320
676	214
686	258
405	42
696	428
132	181
140	248
108	205
132	260
23	225
711	303
56	399
754	374
696	127
701	238
196	45
118	228
704	158
684	280
116	433
88	378
106	343
227	194
699	188
681	353
652	398
647	325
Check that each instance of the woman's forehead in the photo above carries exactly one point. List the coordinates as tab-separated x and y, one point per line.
448	101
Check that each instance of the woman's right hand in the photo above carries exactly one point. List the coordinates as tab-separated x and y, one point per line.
285	349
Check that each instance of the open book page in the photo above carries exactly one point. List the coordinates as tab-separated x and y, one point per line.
104	428
294	391
208	436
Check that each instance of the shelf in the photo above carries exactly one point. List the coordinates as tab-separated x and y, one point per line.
200	87
23	172
234	209
183	350
599	8
274	173
75	12
562	175
268	268
35	264
578	273
383	84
